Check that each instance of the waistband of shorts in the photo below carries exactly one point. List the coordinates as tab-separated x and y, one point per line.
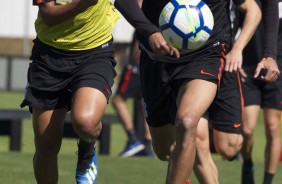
41	49
185	57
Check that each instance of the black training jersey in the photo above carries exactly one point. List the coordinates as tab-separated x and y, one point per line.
220	9
146	23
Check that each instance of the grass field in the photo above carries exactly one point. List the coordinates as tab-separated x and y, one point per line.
16	167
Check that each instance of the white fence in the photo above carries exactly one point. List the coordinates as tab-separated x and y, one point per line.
13	73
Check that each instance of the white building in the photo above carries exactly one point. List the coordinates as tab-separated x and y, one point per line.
18	16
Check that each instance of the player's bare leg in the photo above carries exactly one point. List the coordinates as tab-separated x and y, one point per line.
204	167
250	117
226	144
88	107
193	100
273	144
122	111
48	128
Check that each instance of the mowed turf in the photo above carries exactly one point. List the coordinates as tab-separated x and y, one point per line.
16	167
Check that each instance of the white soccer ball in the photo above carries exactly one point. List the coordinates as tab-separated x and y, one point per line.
186	24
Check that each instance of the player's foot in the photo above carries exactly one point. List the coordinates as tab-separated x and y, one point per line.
87	166
132	149
248	173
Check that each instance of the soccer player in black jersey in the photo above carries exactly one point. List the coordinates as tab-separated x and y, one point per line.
175	91
224	114
263	91
72	69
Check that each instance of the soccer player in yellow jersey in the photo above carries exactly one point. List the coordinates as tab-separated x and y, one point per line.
72	69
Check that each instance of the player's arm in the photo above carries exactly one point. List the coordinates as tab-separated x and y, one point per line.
134	15
252	18
53	14
271	25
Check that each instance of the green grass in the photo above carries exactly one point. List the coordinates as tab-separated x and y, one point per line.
16	167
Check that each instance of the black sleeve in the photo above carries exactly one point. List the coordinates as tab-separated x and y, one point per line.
134	15
238	2
271	24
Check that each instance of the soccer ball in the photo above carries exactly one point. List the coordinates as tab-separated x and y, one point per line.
186	24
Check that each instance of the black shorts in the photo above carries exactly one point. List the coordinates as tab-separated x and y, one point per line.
225	113
258	92
129	83
160	82
53	77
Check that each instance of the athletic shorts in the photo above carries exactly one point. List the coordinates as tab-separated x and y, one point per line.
258	92
225	113
160	82
129	84
54	76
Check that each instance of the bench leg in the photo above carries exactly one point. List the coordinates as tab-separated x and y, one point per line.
138	118
15	135
104	138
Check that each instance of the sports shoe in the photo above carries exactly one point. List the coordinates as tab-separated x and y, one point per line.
248	174
87	167
132	149
145	153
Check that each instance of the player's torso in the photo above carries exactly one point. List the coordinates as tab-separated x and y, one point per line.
219	8
87	30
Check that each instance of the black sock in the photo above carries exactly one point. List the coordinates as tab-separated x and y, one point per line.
268	178
85	146
131	134
86	151
248	162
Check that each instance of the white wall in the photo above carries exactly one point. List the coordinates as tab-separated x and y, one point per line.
18	16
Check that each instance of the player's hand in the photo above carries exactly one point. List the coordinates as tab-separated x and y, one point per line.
233	60
161	47
270	65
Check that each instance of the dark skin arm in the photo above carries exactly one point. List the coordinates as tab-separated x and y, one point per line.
53	14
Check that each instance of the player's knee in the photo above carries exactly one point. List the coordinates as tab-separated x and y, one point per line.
87	127
162	156
247	132
229	153
162	153
274	132
187	123
231	150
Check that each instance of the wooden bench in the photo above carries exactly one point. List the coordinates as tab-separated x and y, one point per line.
11	124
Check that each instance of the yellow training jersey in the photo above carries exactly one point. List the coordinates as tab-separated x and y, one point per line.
86	30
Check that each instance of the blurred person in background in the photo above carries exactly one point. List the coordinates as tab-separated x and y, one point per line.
129	87
223	119
263	90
